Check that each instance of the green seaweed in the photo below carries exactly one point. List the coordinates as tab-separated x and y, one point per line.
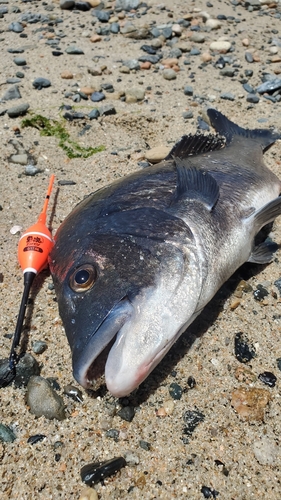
49	127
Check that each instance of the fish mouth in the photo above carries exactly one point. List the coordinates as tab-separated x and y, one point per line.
89	363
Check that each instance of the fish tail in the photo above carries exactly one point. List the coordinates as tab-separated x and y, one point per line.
230	130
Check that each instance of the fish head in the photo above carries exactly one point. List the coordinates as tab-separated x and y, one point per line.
119	293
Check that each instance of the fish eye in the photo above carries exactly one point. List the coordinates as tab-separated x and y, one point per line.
83	278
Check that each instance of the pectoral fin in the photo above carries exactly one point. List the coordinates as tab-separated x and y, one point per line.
263	253
196	185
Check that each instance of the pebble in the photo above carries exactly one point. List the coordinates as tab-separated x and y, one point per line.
214	24
169	74
135	94
260	293
126	5
20	61
43	400
66	75
95	472
244	351
31	170
106	110
40	83
278	361
127	413
97	96
191	382
192	418
228	96
12	93
268	378
83	6
277	283
6	434
197	37
252	98
36	438
16	27
131	458
132	64
67	4
26	368
154	155
19	110
175	391
266	451
95	38
94	3
74	50
209	492
6	375
73	392
94	114
222	46
145	445
88	494
113	434
250	403
188	90
249	57
21	159
187	115
269	86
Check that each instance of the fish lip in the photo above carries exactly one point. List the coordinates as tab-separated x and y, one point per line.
103	337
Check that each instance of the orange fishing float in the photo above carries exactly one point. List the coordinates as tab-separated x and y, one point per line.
33	250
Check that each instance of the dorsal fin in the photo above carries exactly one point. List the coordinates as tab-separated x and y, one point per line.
195	184
229	130
195	144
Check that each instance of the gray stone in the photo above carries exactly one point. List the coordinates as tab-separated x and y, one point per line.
31	170
188	90
107	109
20	61
227	72
228	96
39	346
12	93
19	110
21	159
66	4
187	115
132	64
269	86
74	50
135	94
252	98
16	27
40	83
169	74
126	4
150	58
197	37
13	80
43	400
26	368
6	434
115	28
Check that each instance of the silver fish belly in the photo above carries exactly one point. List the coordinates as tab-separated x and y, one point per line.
136	262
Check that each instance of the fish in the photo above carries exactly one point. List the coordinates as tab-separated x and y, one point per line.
137	261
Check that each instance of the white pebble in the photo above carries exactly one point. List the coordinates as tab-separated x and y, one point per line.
15	229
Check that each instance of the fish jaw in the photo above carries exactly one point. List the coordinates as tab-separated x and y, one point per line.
84	361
